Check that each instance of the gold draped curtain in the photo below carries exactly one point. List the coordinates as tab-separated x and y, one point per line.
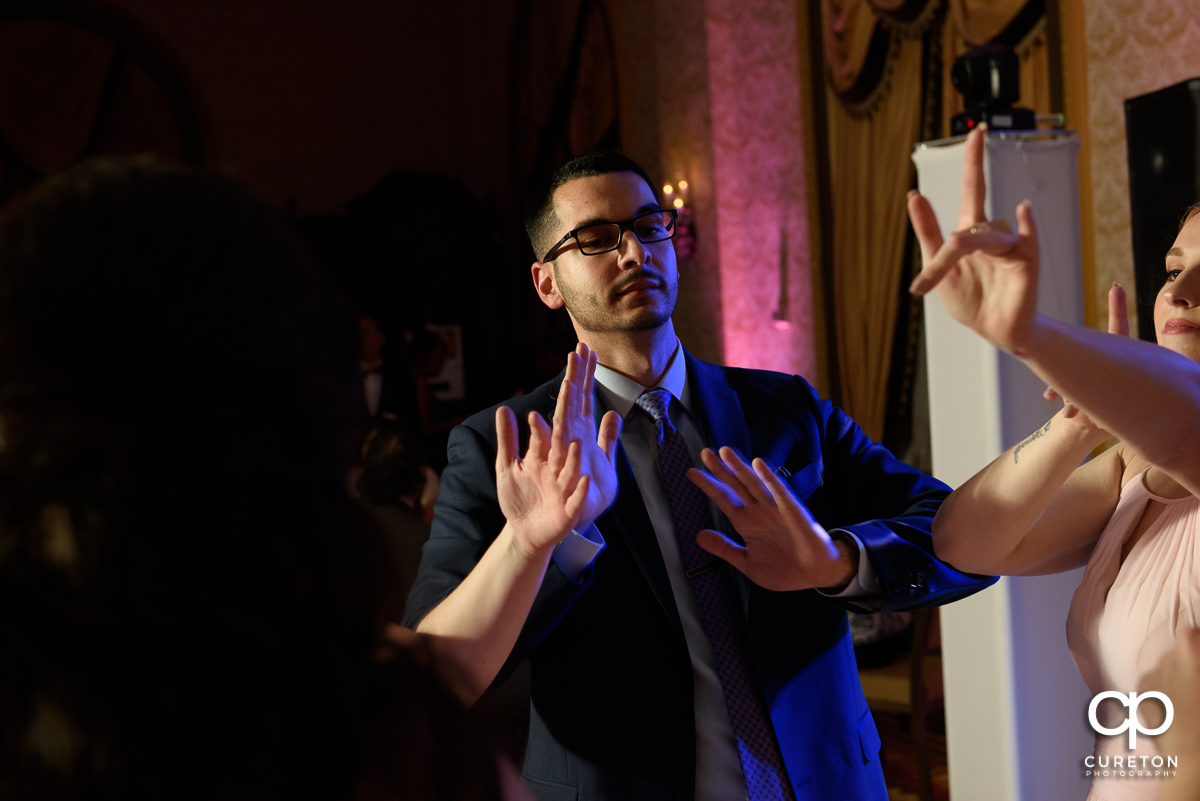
882	87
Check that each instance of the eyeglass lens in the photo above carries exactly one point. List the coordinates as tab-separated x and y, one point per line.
654	226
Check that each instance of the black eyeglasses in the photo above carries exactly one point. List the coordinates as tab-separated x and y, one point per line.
653	226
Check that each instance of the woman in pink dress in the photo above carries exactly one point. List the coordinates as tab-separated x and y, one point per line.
1176	676
1131	514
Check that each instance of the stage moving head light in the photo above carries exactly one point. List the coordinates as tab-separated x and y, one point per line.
989	79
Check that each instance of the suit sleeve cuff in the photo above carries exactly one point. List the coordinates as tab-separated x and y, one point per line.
865	583
575	554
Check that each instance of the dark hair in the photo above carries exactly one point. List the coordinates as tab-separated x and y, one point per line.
1188	213
138	295
190	599
392	458
540	220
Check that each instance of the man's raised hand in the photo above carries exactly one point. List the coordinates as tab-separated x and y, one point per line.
575	421
786	549
567	477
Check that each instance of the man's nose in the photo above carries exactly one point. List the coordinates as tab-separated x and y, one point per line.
631	250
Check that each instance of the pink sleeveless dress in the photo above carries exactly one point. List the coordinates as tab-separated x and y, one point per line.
1125	617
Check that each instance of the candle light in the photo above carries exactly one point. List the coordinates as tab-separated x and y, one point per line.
677	196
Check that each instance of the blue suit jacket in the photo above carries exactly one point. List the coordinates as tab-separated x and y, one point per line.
611	680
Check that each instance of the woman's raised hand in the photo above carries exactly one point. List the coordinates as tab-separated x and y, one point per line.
985	275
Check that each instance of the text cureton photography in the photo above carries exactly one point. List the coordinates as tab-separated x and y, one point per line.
1134	765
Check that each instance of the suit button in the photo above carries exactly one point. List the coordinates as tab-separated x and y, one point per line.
910	583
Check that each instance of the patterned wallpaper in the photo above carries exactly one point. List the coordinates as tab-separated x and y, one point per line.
1133	47
709	93
758	149
666	125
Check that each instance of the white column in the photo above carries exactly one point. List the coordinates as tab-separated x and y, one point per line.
1016	709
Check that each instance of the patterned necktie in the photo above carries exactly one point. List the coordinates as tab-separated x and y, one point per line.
716	603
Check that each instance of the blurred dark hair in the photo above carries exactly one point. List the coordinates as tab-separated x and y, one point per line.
391	466
190	599
1188	213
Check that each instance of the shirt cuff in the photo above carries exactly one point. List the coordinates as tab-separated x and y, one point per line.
865	582
575	554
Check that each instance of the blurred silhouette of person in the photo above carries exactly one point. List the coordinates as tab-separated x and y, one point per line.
425	358
397	483
193	604
395	471
371	360
386	388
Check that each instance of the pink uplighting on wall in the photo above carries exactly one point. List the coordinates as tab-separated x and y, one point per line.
761	196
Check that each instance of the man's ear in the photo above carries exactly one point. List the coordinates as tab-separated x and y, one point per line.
544	283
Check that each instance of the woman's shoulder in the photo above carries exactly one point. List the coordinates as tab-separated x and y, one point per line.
1131	464
1157	481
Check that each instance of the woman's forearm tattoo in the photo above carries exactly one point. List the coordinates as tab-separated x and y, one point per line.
1041	432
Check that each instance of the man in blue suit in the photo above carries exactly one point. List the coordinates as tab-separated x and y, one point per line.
630	688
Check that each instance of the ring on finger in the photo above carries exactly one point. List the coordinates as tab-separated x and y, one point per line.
977	228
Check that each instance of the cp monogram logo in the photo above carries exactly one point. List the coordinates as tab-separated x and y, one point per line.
1131	721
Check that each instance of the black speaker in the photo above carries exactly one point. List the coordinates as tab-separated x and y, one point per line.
1164	178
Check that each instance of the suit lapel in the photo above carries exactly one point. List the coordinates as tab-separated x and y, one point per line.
717	406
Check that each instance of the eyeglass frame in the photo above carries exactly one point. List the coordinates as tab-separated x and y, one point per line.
627	225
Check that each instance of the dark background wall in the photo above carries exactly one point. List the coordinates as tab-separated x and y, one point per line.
384	129
400	137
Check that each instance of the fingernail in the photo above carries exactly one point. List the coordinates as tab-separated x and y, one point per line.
1117	285
919	286
911	194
